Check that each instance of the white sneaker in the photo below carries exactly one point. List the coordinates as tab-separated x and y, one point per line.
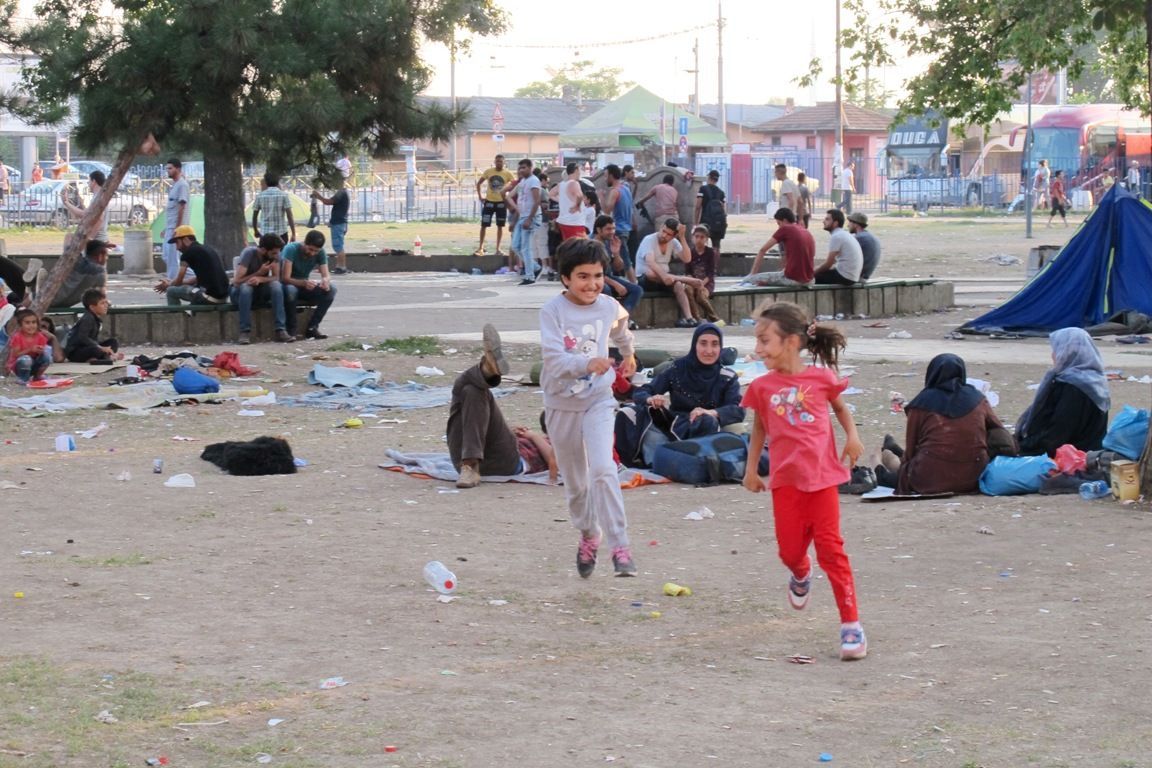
853	644
34	266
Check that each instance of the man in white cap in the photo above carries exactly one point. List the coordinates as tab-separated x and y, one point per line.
1133	177
869	245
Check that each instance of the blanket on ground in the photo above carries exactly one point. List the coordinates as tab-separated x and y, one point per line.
388	394
438	466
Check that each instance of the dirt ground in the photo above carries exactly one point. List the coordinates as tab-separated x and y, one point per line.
1024	646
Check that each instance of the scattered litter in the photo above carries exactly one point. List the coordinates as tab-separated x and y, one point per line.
799	658
676	590
99	429
448	673
986	531
18	595
825	757
1132	339
162	760
897	400
269	398
447	490
1142	380
655	615
8	485
263	757
451	351
65	443
424	370
352	423
1002	259
900	335
35	552
877	324
700	514
106	717
182	439
446	598
299	462
333	682
985	388
938	645
249	412
389	748
351	364
275	721
366	347
497	602
182	480
199	705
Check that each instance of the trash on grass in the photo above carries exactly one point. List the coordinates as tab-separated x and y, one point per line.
700	514
105	716
676	590
333	682
182	480
88	434
424	370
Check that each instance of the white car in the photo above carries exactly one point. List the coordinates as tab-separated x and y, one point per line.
79	169
41	204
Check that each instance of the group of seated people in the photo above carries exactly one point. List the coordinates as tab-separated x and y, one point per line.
269	273
852	258
952	432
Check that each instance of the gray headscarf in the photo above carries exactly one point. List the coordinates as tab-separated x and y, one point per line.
1075	361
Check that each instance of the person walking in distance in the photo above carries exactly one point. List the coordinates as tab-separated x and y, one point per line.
494	180
848	187
791	404
528	203
1059	198
175	215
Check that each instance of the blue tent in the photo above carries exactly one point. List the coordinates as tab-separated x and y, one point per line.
1105	269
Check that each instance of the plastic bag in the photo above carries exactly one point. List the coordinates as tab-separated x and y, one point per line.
191	382
1070	459
1128	433
1013	475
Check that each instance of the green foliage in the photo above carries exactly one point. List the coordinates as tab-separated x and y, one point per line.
578	79
981	52
298	82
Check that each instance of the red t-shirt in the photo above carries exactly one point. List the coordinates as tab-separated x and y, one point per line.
799	252
795	414
19	344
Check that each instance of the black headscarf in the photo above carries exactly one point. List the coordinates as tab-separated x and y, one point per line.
946	390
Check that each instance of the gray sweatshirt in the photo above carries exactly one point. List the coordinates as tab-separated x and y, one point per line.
570	335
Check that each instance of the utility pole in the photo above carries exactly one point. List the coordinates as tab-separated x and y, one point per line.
720	66
838	150
696	75
452	89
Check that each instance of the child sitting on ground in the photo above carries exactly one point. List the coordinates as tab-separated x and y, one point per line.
29	351
48	328
82	346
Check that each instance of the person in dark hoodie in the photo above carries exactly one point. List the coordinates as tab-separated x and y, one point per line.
947	437
694	397
1072	402
83	343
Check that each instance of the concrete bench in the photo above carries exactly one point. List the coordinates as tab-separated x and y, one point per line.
190	324
877	298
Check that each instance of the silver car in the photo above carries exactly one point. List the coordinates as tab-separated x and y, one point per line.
41	204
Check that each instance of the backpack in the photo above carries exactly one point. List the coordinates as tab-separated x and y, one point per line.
710	460
714	215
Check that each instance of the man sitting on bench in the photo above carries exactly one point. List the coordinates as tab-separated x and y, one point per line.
299	259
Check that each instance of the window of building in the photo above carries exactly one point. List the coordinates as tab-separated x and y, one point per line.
810	142
775	141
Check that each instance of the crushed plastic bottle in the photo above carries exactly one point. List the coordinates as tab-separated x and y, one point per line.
1097	489
440	578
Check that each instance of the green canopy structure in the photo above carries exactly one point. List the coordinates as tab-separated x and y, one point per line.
633	122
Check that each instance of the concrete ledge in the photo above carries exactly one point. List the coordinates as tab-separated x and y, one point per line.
876	299
188	325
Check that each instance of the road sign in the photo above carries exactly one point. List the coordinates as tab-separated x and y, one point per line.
497	137
683	127
497	119
683	143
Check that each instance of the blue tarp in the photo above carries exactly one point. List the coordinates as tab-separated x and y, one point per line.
1105	269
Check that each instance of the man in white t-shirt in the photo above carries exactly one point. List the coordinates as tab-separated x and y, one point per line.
845	259
528	203
1133	177
653	260
789	196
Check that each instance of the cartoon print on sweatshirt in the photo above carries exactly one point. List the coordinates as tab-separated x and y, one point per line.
789	403
585	345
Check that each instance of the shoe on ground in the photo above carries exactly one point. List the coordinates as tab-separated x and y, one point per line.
284	337
622	561
685	322
479	251
314	333
632	325
853	644
244	339
586	556
527	281
339	271
34	266
719	322
494	361
799	590
469	476
863	480
6	313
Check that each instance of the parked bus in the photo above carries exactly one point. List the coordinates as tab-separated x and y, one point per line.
1084	141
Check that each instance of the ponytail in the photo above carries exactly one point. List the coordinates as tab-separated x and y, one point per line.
823	341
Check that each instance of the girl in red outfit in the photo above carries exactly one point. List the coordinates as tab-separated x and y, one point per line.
29	352
791	403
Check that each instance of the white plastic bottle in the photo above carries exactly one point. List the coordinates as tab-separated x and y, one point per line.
417	246
440	578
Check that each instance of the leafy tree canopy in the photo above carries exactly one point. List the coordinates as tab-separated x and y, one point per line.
579	79
981	52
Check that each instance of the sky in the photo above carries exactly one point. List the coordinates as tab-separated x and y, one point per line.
767	45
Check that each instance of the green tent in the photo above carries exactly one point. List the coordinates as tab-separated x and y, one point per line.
633	122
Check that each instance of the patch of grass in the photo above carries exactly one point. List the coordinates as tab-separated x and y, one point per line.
116	561
450	219
408	345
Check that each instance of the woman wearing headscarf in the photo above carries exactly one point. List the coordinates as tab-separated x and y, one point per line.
946	447
1071	405
695	396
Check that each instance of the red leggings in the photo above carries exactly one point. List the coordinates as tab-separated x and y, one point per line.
804	517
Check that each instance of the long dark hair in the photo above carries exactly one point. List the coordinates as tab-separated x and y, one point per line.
823	340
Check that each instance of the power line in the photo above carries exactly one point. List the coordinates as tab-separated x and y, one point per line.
610	44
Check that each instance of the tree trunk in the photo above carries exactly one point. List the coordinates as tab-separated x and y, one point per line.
89	223
224	227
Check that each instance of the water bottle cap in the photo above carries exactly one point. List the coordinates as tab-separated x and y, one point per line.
449	584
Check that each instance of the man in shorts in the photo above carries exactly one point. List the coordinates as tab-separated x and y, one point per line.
492	202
